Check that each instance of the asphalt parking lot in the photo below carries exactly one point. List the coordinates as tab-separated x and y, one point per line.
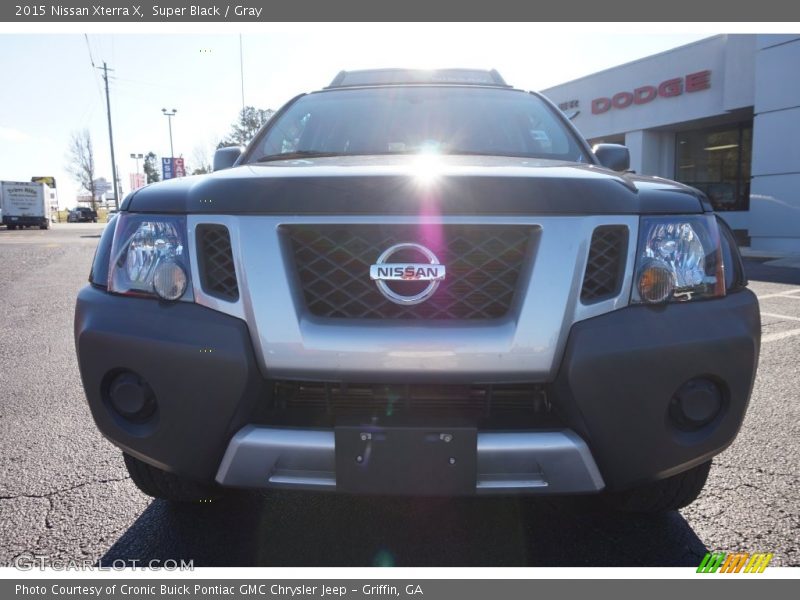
64	491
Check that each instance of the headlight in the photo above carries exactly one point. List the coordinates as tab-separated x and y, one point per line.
149	256
678	259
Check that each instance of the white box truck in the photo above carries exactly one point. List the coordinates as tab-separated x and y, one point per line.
25	204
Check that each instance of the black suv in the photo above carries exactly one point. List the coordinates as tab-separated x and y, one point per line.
82	214
420	283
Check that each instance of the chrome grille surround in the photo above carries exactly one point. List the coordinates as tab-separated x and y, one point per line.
525	345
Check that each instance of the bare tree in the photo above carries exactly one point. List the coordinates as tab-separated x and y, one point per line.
200	155
80	165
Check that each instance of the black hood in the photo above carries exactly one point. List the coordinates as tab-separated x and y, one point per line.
402	185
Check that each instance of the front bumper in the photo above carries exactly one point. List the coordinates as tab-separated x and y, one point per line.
25	221
617	376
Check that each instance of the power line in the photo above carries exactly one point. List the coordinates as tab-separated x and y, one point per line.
91	60
150	83
241	68
88	113
88	47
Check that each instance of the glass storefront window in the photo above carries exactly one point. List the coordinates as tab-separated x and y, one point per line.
717	161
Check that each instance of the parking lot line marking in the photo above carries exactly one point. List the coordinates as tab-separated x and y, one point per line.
780	335
774	316
781	295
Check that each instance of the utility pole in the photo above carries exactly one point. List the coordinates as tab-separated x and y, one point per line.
111	137
169	115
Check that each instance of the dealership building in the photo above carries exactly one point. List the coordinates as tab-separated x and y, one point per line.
721	114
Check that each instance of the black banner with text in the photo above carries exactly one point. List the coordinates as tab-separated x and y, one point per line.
143	11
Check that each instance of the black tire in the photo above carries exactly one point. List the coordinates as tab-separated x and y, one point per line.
668	494
167	486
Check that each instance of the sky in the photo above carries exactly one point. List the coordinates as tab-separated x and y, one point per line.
51	89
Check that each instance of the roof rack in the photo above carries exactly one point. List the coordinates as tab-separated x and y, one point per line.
409	76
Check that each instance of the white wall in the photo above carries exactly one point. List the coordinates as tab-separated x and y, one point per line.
775	188
739	75
652	152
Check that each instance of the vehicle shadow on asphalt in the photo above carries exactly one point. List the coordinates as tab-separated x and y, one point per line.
301	529
756	270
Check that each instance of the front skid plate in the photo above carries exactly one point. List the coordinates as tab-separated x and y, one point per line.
532	462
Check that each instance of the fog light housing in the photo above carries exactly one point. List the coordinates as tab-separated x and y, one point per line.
131	397
696	404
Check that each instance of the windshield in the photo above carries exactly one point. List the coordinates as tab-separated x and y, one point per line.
400	120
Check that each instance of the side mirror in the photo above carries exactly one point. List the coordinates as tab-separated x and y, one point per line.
225	158
613	156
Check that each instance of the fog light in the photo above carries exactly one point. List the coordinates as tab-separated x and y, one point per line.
656	282
169	280
696	403
131	397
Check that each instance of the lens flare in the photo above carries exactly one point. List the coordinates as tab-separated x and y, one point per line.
427	166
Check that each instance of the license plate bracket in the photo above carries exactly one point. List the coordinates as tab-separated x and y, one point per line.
406	459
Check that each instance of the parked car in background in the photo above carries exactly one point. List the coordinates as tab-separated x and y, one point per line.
82	214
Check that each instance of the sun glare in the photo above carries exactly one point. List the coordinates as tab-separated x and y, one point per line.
427	166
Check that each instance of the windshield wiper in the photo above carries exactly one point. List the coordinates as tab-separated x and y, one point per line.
297	154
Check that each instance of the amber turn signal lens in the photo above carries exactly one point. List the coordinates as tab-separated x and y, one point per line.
169	280
656	283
